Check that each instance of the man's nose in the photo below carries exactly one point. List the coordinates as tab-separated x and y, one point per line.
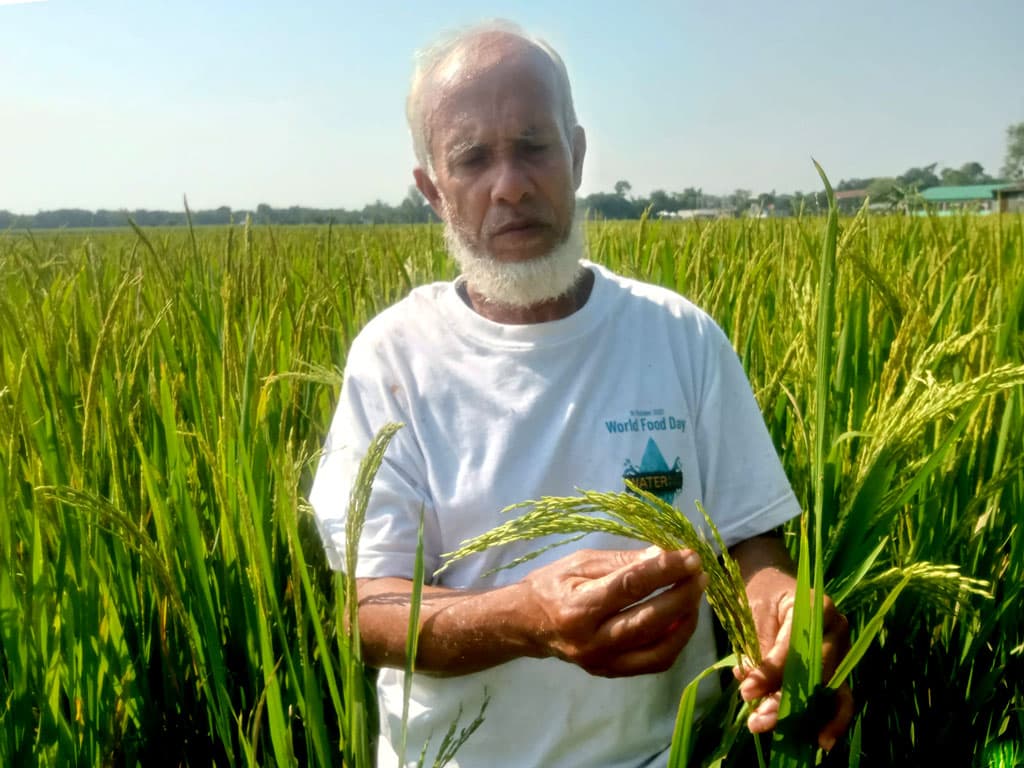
511	182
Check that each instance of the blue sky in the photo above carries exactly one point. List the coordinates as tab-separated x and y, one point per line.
134	104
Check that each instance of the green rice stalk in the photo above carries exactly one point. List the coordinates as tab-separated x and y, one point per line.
358	733
792	744
802	672
682	735
412	635
943	586
100	667
454	738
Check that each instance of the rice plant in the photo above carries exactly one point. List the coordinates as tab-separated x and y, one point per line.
164	394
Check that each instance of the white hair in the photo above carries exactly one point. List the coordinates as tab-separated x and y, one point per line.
427	61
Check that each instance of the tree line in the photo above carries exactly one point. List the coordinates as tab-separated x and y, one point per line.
890	191
617	204
412	210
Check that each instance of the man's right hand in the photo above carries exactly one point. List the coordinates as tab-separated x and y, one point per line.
597	609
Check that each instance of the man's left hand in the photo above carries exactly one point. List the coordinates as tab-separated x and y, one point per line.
771	589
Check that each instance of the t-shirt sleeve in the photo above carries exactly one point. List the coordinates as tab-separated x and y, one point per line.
746	491
387	547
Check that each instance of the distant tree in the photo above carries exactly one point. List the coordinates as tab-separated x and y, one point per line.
623	188
611	206
220	215
966	174
63	217
905	199
377	212
415	209
851	184
766	200
919	178
1013	166
690	199
661	201
711	201
810	202
740	200
881	190
784	204
106	218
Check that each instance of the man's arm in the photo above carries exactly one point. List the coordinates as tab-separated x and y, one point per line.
591	608
769	573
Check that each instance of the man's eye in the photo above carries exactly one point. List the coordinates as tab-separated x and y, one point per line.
470	160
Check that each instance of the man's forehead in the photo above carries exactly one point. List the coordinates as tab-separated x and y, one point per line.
489	62
518	94
488	52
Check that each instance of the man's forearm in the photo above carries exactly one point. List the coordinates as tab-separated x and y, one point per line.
461	631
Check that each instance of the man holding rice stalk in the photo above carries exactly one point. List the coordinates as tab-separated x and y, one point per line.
536	373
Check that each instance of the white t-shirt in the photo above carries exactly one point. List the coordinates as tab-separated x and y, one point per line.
638	383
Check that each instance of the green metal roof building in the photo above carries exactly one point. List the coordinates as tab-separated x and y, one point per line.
985	198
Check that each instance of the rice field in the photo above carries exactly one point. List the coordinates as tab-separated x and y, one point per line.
164	599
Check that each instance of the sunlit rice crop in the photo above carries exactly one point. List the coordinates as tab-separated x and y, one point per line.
164	395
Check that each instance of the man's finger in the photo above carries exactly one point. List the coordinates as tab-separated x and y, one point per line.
766	716
599	563
835	644
839	724
657	657
596	564
641	622
653	569
767	678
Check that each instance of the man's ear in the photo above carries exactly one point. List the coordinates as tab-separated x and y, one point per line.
429	190
579	150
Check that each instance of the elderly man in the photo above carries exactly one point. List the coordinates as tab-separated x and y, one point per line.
535	373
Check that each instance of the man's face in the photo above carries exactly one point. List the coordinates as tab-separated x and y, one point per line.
506	172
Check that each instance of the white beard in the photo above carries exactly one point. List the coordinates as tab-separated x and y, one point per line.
520	283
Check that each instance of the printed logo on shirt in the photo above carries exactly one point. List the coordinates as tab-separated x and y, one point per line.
654	474
654	420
